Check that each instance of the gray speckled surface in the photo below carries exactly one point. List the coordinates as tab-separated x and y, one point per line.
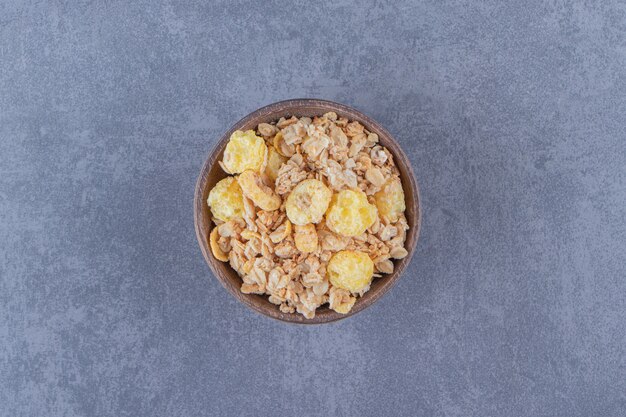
513	114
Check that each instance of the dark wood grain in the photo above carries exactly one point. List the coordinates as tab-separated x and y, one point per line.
211	173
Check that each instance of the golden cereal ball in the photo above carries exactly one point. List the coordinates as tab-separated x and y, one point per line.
244	150
350	270
260	194
350	214
308	202
390	200
215	247
274	162
226	200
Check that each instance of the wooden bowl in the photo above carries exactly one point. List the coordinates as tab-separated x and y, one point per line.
211	173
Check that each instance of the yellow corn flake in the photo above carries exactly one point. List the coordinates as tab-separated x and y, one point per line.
244	151
390	200
305	238
215	247
308	202
260	194
274	162
350	214
350	270
277	139
226	200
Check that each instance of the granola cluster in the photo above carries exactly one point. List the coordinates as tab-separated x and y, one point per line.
313	211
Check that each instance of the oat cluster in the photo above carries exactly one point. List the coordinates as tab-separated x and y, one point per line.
312	212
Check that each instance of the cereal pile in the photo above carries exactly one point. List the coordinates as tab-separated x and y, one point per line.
313	211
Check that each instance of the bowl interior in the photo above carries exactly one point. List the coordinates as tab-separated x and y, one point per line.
212	173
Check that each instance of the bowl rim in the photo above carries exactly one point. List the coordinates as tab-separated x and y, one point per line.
289	106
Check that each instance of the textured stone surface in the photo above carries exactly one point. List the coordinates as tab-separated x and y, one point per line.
513	115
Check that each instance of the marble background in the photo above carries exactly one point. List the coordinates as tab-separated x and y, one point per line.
512	113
